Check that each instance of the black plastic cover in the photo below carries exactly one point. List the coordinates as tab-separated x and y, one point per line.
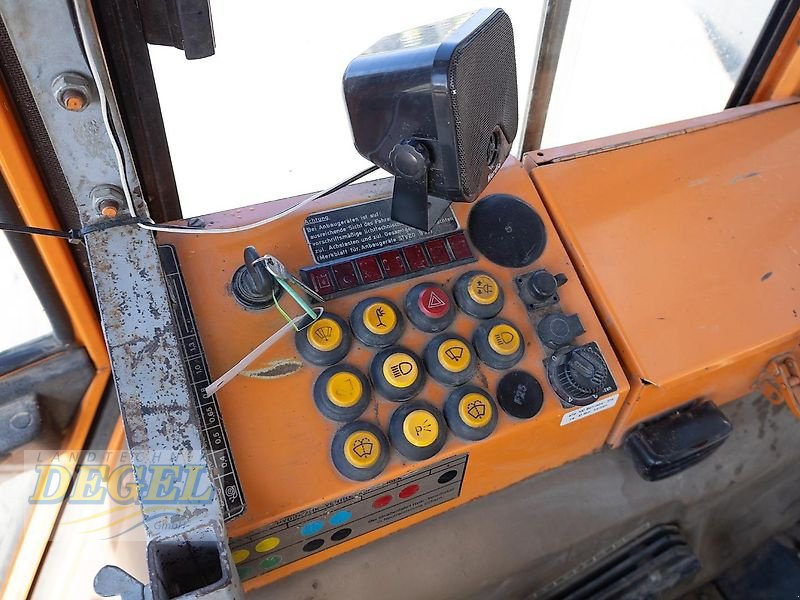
448	88
673	443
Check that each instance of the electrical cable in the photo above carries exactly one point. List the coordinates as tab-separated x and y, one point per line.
104	96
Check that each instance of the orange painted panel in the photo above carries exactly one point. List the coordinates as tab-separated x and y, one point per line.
281	443
690	247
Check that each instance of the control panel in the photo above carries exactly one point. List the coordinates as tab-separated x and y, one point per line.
439	367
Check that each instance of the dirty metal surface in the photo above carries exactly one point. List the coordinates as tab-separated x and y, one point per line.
151	383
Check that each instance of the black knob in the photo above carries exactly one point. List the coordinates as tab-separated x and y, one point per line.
252	283
409	160
542	285
586	370
557	329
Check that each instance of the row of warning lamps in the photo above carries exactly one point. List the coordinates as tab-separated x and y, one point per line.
389	264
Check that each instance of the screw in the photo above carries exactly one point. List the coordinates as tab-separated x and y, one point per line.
108	200
195	222
72	91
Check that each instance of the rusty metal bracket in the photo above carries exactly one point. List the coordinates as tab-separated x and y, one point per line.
779	382
187	546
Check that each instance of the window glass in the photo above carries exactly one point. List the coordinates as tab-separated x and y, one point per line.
628	64
22	317
264	117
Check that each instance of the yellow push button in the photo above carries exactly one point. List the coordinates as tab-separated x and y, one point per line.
475	410
420	428
380	318
362	449
344	389
454	355
324	334
504	339
483	289
400	370
239	556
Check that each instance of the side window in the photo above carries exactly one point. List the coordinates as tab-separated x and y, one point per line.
22	317
264	118
627	65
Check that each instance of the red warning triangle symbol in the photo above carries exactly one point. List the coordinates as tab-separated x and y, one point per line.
435	301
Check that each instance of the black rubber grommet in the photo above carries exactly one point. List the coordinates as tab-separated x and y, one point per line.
401	443
321	357
468	305
386	389
362	332
344	466
333	411
460	427
425	322
506	230
480	339
438	371
520	394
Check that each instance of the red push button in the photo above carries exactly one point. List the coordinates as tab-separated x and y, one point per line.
345	275
437	251
459	246
392	263
434	302
322	282
415	257
369	269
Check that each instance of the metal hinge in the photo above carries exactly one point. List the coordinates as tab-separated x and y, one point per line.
780	382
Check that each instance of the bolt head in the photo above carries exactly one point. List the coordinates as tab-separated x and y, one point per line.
108	200
72	91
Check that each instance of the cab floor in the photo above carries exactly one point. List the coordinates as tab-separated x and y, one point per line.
515	542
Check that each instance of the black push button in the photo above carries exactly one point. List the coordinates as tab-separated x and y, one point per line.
498	343
360	451
471	413
342	393
417	430
520	395
325	342
478	294
429	307
450	359
376	322
397	373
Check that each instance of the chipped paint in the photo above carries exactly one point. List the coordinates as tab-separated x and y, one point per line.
276	369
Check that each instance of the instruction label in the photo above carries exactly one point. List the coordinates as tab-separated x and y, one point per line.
586	411
365	227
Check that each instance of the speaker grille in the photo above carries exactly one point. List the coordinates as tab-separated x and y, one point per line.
483	92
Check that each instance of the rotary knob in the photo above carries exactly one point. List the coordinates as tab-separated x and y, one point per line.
580	375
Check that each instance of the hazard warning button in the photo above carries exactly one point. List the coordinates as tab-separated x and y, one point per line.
429	307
